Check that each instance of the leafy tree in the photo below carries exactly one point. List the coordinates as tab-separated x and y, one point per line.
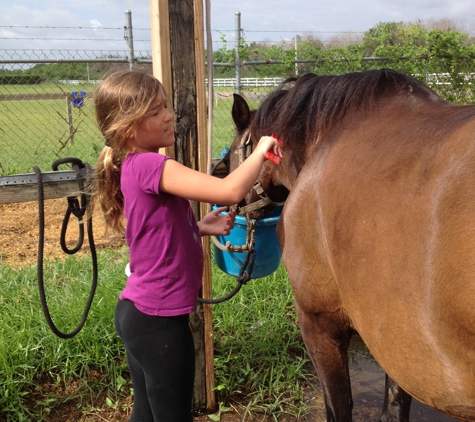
385	33
224	56
453	57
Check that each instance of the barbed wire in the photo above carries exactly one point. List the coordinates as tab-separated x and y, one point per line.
291	32
148	29
250	36
70	39
70	27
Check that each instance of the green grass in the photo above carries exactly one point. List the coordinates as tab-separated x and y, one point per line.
259	355
31	353
37	132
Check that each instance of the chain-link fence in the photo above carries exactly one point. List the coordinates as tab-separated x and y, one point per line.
46	110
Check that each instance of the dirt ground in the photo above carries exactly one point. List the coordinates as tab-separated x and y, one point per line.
19	231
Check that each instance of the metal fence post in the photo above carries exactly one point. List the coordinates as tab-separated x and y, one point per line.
238	59
129	38
296	39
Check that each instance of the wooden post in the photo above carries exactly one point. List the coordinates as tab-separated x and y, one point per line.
161	53
202	131
178	62
70	118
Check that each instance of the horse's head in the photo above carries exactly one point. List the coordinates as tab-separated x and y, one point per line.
268	191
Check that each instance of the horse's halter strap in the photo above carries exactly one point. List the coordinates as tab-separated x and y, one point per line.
245	150
245	147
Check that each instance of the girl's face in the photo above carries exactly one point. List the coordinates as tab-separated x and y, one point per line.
156	129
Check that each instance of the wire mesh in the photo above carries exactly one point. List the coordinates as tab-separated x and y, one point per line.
47	111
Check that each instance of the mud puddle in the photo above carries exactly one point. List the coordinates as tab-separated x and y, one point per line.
367	385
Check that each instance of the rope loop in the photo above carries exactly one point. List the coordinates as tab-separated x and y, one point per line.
78	210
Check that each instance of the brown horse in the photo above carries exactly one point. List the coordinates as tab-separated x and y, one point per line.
378	231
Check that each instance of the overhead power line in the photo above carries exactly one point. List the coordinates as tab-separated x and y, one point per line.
70	27
70	39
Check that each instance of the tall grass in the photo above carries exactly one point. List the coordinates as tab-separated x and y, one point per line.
258	348
259	356
32	354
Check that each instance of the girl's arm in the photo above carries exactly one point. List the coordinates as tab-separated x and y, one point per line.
182	181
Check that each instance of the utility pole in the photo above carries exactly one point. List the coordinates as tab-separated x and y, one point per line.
129	38
238	59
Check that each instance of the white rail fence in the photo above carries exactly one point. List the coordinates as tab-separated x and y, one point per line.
434	78
249	82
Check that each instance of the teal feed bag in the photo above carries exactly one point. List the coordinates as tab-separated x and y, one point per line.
266	246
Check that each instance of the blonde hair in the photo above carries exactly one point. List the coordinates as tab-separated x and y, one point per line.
121	101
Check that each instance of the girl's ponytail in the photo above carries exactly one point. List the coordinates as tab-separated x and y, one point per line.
108	193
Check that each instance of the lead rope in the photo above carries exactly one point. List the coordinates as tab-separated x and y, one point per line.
244	149
244	277
79	212
248	262
246	267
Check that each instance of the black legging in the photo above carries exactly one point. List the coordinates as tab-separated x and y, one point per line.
161	359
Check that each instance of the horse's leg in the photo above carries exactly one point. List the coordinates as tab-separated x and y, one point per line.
327	340
397	403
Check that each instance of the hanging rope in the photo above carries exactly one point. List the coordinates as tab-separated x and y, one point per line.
79	210
244	276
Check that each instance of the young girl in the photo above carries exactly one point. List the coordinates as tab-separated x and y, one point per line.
153	191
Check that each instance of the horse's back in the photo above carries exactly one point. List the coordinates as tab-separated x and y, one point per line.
386	230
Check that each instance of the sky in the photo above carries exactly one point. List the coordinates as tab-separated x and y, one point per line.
98	24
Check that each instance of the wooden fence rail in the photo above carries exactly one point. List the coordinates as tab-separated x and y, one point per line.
24	187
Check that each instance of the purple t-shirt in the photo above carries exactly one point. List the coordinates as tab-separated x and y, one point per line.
166	257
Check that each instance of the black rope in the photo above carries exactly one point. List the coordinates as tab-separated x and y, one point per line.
244	277
79	212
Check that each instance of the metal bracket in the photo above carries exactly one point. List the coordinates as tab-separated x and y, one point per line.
31	179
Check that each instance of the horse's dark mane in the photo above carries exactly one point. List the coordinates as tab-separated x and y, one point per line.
302	110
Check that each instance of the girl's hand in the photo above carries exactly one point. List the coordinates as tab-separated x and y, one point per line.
213	224
269	143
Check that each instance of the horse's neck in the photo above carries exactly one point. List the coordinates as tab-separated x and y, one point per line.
291	168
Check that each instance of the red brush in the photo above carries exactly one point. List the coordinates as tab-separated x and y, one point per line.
270	154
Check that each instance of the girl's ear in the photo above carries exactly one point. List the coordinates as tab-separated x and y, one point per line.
132	137
129	144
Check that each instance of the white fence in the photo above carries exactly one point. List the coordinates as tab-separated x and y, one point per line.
253	82
433	78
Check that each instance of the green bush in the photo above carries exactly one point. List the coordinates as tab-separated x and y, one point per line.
20	79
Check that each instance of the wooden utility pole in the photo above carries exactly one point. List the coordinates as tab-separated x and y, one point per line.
178	62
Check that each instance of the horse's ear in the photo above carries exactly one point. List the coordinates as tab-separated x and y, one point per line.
241	113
